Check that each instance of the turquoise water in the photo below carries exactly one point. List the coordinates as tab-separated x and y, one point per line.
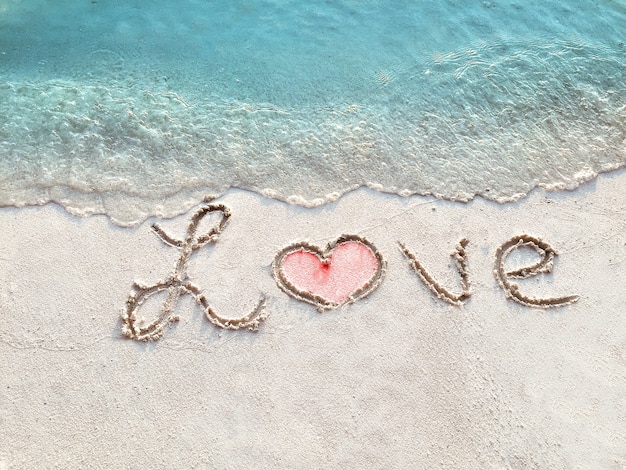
135	108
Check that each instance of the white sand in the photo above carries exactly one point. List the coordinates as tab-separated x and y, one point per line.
399	379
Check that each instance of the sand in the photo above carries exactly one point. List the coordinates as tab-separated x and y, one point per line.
399	378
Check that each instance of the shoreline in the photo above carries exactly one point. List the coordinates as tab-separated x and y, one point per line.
184	201
397	378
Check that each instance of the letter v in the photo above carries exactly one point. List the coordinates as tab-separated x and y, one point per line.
460	259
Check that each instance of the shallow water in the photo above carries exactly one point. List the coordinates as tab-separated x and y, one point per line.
135	109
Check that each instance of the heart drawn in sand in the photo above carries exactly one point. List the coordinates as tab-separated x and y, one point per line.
348	269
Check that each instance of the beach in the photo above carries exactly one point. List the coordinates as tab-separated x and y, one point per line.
283	234
399	378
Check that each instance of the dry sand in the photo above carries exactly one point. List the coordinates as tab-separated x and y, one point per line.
398	379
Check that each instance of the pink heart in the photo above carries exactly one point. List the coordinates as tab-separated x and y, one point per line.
348	269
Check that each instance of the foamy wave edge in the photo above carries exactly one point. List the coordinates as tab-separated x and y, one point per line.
128	210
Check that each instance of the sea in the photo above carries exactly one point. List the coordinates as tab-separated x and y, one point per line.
136	108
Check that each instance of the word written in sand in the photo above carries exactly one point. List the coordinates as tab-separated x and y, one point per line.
346	270
178	283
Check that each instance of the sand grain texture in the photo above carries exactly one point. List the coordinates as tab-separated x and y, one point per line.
400	379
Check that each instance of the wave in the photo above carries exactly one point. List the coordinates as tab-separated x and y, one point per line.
119	136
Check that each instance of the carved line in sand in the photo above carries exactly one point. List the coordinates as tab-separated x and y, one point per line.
544	265
324	255
460	260
178	283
